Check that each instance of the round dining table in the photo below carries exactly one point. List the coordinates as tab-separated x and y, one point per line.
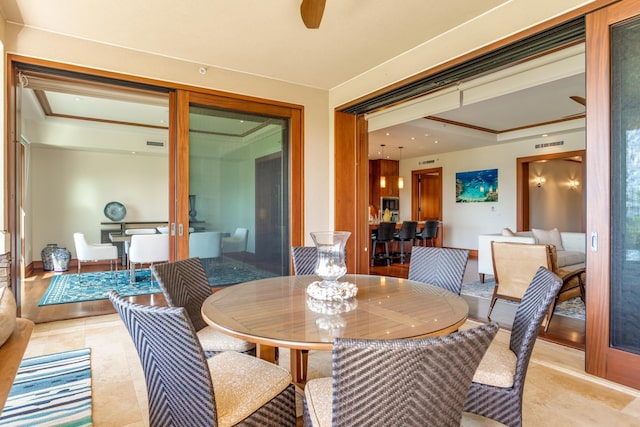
277	312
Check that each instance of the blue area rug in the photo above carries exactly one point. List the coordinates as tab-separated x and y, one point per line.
67	288
53	390
233	272
70	288
571	308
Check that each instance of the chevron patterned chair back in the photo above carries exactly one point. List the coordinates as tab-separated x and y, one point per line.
442	267
181	381
417	382
304	259
496	391
185	284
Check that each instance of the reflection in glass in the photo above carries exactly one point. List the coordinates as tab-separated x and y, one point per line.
238	186
625	191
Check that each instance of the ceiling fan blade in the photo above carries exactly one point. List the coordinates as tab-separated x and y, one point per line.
579	100
311	12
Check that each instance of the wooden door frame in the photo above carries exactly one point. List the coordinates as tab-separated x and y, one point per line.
600	358
415	196
522	183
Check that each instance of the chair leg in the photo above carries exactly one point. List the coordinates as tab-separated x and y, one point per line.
493	302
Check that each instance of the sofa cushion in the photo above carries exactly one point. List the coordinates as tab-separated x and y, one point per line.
7	314
548	237
508	232
570	258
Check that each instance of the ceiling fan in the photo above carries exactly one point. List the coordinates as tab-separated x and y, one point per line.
311	12
579	100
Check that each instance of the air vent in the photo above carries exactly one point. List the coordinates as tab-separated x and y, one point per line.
155	144
426	162
549	144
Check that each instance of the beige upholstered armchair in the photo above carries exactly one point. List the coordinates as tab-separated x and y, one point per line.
515	264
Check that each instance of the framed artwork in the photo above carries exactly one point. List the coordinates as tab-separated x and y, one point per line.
477	186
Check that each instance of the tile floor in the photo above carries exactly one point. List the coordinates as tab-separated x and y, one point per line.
557	391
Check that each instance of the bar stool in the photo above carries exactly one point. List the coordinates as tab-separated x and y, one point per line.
385	234
428	233
407	233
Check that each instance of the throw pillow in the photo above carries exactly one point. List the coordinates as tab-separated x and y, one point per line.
508	232
7	314
548	237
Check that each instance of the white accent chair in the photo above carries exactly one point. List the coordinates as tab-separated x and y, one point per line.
237	242
86	251
205	244
147	249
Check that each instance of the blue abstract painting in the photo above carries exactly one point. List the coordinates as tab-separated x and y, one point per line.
477	186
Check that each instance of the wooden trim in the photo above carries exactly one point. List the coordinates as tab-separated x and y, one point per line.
581	11
180	95
14	59
346	182
598	302
363	239
11	353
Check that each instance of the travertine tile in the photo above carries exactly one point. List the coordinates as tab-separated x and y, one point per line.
557	391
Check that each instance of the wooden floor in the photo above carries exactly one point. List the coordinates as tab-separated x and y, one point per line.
562	330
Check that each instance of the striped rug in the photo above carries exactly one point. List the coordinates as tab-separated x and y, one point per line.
51	390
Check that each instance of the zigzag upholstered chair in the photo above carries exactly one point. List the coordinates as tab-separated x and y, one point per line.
185	389
304	259
421	382
496	391
185	284
439	266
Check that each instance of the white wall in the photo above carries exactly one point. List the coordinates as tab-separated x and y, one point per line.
463	222
507	19
555	203
69	190
318	179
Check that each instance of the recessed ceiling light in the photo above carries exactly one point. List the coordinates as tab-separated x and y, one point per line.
387	134
435	142
413	138
544	134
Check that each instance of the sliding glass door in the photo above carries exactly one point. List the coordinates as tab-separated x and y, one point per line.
237	196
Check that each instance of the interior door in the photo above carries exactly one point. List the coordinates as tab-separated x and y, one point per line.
613	193
426	196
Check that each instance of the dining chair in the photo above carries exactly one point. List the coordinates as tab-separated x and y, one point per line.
515	264
236	242
407	233
86	251
498	384
413	382
147	249
185	284
304	259
386	230
304	262
206	245
428	233
186	389
442	267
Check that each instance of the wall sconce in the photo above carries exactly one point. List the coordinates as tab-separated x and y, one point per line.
573	184
383	182
400	183
540	181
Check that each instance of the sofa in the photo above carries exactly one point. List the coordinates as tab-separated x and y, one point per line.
571	252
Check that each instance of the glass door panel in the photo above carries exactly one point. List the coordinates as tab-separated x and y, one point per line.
625	188
238	194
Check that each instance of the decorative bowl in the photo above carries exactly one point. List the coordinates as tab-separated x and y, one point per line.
115	211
